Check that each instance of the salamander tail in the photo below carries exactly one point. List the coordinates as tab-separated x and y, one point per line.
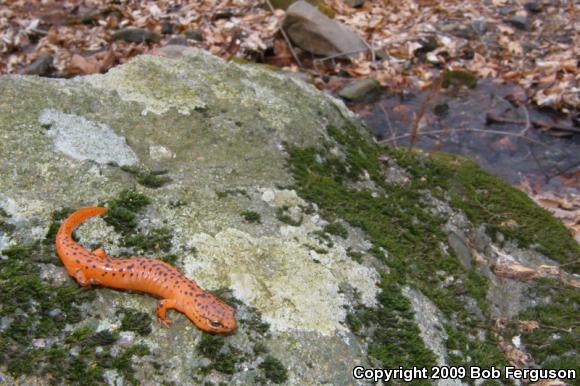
75	219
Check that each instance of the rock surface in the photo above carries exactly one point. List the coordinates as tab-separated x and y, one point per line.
214	156
359	89
315	32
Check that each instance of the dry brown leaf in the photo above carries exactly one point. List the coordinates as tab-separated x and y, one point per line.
513	271
93	64
528	325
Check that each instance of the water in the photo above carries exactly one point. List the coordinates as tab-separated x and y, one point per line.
455	122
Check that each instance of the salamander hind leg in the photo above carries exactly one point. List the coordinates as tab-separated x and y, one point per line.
162	307
81	278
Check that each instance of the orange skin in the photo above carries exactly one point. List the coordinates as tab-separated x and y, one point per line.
142	274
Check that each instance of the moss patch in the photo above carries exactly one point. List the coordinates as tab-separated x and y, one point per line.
486	199
395	338
38	311
398	223
123	210
336	229
251	216
156	239
134	320
554	344
274	370
122	215
284	216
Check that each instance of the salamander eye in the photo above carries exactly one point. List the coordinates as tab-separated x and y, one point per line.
215	323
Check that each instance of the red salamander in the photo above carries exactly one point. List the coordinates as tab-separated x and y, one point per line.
142	274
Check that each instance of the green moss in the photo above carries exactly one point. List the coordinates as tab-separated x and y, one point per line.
459	78
232	192
39	310
251	216
395	338
152	179
554	344
123	210
148	178
122	215
283	216
355	255
486	199
274	370
137	321
5	226
323	238
131	200
170	259
336	229
157	239
316	249
223	357
398	223
56	218
123	362
254	323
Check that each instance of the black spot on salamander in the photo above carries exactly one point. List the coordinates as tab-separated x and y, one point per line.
130	267
113	273
104	274
78	261
94	266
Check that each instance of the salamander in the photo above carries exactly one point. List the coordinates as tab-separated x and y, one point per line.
142	274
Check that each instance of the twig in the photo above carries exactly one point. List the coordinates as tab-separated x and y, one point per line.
434	90
387	141
574	165
491	119
342	54
387	118
527	115
287	39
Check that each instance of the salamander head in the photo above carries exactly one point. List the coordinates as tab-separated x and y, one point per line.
212	315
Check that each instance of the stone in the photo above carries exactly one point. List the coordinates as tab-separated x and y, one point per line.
533	6
358	89
167	27
521	22
137	35
41	66
178	41
194	35
315	32
355	3
479	26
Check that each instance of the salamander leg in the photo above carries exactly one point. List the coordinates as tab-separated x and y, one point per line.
161	311
100	252
81	278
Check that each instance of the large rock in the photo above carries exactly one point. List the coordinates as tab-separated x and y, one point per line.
266	190
315	32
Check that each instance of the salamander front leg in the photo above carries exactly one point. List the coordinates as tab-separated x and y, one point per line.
162	307
100	252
